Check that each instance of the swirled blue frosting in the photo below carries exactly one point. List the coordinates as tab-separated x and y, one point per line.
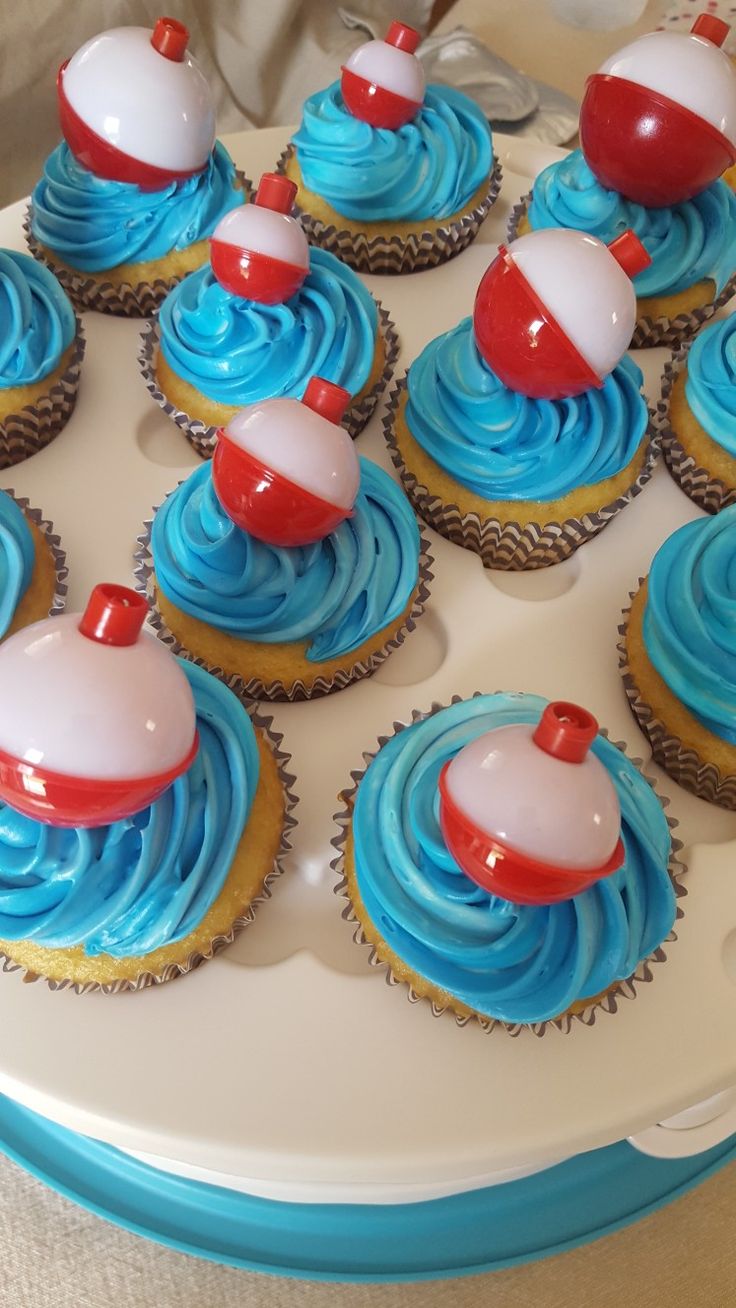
687	242
17	557
509	961
333	595
710	386
430	168
238	351
93	223
37	321
148	880
505	446
689	624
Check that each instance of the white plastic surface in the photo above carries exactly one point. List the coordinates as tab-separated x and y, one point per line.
253	227
86	709
562	813
688	69
585	290
287	1059
304	447
151	108
393	70
700	1127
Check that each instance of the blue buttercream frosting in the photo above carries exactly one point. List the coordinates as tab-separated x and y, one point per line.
93	223
505	446
689	624
687	242
148	880
17	557
37	322
710	386
509	961
238	351
332	595
429	168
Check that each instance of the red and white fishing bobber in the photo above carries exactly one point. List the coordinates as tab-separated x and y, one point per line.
383	82
284	470
658	119
96	717
529	813
258	251
555	311
135	107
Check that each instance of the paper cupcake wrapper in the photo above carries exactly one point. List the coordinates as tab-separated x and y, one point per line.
606	1003
509	546
204	438
650	332
89	292
398	254
35	426
679	761
707	491
53	541
276	691
220	942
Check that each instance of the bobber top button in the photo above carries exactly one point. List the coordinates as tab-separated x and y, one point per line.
170	38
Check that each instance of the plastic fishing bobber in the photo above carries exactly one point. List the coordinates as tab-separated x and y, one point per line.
135	107
555	311
383	81
658	119
529	813
258	251
96	716
284	470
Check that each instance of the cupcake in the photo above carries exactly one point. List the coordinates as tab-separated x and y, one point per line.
511	439
392	176
32	566
261	319
699	432
127	201
508	863
678	657
40	357
287	564
147	835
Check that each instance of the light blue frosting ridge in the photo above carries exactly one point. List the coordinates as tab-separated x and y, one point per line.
689	624
37	322
93	223
429	168
710	386
687	242
333	594
505	446
147	881
518	963
17	557
238	351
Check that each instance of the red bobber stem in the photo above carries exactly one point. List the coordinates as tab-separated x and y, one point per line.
404	37
276	192
566	731
170	38
629	253
711	27
327	399
114	615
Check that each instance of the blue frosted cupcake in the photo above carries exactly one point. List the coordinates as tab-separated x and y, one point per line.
692	245
699	436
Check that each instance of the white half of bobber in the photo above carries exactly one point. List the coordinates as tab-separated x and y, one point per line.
107	712
154	109
392	69
302	446
587	292
686	68
566	814
265	231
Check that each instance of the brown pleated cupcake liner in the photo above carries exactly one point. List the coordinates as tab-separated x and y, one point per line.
399	254
37	425
682	763
53	541
244	919
708	492
509	546
87	291
203	438
609	1002
276	691
649	332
